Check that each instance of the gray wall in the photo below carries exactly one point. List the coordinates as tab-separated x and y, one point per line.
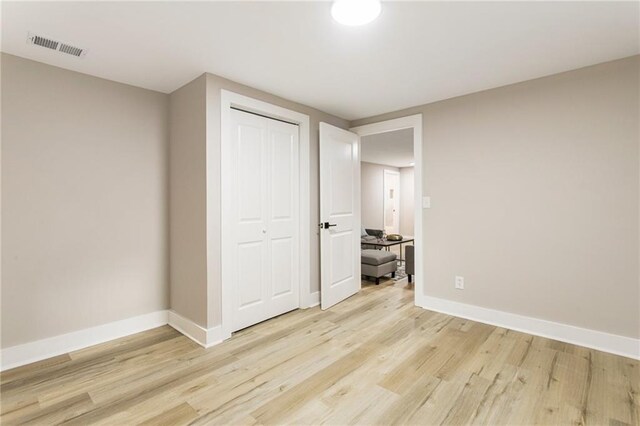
187	201
535	197
372	194
84	201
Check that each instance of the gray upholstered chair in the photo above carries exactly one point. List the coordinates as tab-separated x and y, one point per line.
409	261
367	235
377	263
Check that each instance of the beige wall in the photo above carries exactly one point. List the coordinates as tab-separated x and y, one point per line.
535	197
84	201
187	206
535	190
407	201
372	194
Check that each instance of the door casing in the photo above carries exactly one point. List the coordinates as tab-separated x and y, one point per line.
409	122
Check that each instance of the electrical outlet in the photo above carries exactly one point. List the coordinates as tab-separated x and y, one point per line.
460	283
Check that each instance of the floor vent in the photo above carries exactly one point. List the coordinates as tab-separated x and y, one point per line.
55	45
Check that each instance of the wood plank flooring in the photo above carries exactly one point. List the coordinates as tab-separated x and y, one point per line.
373	359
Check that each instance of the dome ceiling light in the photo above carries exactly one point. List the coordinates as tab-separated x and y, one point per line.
355	12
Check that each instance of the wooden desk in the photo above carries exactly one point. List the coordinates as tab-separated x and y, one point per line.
386	244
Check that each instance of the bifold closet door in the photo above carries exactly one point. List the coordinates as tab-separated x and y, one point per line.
264	218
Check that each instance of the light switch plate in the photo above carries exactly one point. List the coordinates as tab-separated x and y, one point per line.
426	202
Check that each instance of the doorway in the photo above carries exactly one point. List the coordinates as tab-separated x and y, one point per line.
409	213
387	202
342	261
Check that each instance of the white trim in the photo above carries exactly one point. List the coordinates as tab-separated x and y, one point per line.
202	336
410	122
313	300
619	345
27	353
227	100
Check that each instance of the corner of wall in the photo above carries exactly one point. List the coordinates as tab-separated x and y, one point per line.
187	202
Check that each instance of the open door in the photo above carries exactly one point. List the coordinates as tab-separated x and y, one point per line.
339	215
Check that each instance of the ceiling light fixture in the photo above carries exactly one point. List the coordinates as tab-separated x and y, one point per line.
355	12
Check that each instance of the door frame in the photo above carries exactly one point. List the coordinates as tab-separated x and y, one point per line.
385	173
230	99
409	122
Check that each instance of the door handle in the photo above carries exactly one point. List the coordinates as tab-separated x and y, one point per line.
328	225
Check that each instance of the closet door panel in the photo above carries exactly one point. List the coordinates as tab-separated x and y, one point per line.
284	217
282	252
250	219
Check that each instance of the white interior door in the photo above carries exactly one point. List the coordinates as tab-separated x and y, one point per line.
391	207
262	215
340	212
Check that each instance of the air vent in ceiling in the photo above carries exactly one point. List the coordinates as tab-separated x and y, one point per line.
45	42
55	45
71	50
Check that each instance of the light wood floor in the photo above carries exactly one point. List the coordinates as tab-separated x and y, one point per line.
373	359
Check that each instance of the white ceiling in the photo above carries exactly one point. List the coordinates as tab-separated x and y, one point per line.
414	53
389	149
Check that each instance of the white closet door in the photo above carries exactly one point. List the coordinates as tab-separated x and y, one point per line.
263	216
283	218
249	220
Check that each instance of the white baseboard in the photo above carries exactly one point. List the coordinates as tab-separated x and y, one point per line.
27	353
204	337
619	345
314	299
